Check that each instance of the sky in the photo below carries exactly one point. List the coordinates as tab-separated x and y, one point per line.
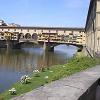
53	13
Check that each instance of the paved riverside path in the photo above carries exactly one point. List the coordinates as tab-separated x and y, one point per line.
69	88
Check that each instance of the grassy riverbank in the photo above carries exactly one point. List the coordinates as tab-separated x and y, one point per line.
76	64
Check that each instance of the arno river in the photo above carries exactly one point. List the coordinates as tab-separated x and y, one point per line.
15	63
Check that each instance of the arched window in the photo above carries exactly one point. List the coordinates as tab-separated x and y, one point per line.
21	36
34	36
28	36
62	38
1	33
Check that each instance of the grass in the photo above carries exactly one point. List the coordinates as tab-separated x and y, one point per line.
77	64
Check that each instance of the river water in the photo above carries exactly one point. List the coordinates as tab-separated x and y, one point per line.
15	63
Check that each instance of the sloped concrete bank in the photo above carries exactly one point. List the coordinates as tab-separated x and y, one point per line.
80	86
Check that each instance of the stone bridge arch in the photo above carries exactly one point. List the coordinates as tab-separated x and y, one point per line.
21	36
26	39
34	36
28	36
49	46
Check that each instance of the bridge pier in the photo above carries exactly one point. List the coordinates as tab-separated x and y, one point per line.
12	44
80	48
48	47
9	44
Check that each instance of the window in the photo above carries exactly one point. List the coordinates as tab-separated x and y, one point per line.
81	35
64	31
70	33
56	31
28	30
27	35
41	30
14	29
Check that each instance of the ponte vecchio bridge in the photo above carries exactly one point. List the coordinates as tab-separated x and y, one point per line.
15	36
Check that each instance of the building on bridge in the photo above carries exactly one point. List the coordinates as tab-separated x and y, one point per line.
2	23
56	35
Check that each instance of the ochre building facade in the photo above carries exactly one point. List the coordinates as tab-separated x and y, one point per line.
92	28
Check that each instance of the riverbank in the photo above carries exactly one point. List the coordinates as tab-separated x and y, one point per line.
79	86
75	65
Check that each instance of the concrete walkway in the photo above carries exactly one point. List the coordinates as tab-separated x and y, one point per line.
69	88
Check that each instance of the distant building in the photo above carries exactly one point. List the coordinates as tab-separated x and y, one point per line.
14	25
2	23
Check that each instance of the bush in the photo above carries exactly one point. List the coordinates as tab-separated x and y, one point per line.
25	79
43	69
12	91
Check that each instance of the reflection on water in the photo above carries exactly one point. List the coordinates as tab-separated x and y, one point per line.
15	63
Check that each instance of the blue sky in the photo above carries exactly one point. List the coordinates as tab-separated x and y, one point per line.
66	13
